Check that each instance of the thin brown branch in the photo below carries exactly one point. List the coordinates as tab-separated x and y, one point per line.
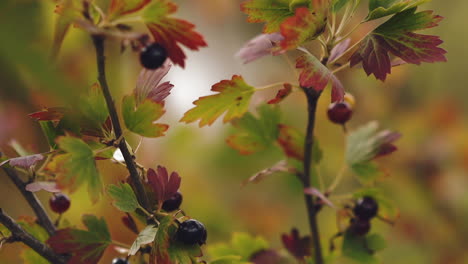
42	217
19	234
98	41
312	99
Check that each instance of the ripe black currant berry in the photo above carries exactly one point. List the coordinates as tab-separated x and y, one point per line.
59	203
120	261
359	227
173	203
191	232
153	56
366	208
339	112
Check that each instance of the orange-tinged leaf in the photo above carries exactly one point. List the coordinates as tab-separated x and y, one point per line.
283	93
140	118
233	97
124	7
171	32
271	12
292	142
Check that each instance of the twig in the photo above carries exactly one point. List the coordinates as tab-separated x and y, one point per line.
19	234
312	99
131	166
42	217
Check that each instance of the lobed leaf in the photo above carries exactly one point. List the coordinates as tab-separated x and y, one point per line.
76	167
84	246
233	97
163	185
270	12
255	134
297	246
354	247
383	8
148	85
124	198
317	76
171	32
124	7
140	118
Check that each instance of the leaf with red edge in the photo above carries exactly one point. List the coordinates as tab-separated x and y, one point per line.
397	37
148	84
292	142
271	12
171	32
49	114
233	97
283	93
260	46
163	185
299	247
124	7
317	76
305	25
84	246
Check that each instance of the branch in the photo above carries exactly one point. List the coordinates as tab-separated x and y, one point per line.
42	217
312	99
129	159
19	234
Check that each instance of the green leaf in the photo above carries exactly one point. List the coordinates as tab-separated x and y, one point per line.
366	172
255	134
270	12
93	107
233	97
376	242
76	167
140	118
146	236
124	198
354	247
28	255
387	208
50	132
337	5
229	260
382	8
242	244
291	141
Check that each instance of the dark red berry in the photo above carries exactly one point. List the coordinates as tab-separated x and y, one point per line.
173	203
359	227
153	56
339	112
191	232
120	261
59	203
366	208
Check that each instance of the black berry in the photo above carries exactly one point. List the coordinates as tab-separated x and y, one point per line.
191	232
153	56
366	208
339	112
120	261
173	203
59	203
359	227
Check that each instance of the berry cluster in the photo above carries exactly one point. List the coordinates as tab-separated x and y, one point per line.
365	209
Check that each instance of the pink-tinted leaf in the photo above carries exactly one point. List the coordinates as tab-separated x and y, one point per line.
397	37
24	162
299	247
259	46
316	76
148	84
42	185
163	185
283	93
171	32
339	49
281	166
315	192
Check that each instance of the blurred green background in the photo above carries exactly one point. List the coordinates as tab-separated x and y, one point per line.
427	177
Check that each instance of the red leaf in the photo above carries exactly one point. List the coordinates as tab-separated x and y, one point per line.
283	93
259	46
164	186
49	114
123	7
171	32
397	37
315	75
299	247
